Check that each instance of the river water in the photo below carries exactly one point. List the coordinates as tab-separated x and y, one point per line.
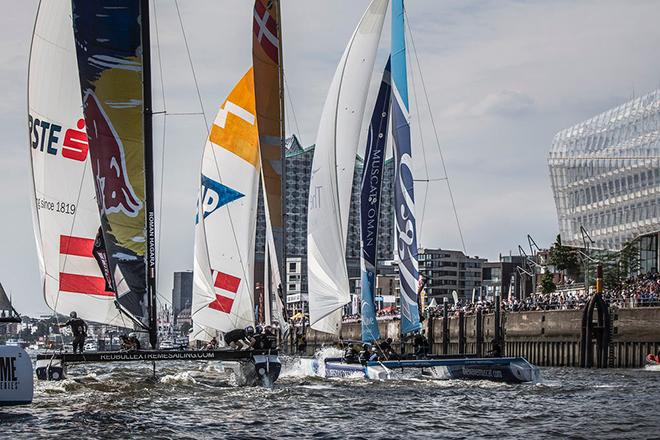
190	400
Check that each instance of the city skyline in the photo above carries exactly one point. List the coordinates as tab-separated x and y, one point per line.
502	78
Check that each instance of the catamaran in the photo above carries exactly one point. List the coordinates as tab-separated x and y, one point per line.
330	193
90	124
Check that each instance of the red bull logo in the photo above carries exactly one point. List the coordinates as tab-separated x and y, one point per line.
114	190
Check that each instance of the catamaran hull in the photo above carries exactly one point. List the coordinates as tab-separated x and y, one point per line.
248	368
16	377
510	370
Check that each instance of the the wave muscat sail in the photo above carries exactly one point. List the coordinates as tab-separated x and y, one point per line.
227	214
372	178
332	172
66	217
404	196
109	50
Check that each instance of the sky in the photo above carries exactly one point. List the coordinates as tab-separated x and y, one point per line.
501	77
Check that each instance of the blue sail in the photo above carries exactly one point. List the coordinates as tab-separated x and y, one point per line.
372	177
404	196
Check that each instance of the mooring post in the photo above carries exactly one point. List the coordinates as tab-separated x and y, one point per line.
461	332
479	332
445	326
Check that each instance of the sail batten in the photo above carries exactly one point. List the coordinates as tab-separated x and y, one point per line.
332	172
404	196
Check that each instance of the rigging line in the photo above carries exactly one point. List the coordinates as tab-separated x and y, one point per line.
293	111
215	158
162	162
166	113
192	67
435	132
421	137
436	179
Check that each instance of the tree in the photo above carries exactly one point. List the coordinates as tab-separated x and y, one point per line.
564	258
547	283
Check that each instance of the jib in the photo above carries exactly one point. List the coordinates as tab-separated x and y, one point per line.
45	135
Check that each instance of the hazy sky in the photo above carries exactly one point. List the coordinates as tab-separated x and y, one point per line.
502	78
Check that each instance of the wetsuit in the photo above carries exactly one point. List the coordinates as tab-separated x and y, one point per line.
350	355
265	341
235	335
421	345
79	330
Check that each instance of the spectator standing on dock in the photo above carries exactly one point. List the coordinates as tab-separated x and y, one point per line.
79	331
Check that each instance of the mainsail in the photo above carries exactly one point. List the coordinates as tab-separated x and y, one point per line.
7	311
370	190
332	173
66	218
226	216
404	196
112	46
269	97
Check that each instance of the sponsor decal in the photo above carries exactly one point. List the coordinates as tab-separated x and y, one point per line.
214	195
45	136
8	378
114	190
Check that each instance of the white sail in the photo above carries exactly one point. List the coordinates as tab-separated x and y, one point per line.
65	213
223	280
332	172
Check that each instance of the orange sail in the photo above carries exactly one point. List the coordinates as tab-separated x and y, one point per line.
268	80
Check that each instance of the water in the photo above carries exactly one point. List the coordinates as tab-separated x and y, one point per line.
191	400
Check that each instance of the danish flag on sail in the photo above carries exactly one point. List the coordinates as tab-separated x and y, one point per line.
265	29
226	287
78	268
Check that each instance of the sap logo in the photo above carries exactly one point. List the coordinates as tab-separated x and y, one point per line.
8	369
46	135
214	195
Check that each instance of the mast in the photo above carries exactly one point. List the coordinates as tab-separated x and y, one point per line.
149	175
280	57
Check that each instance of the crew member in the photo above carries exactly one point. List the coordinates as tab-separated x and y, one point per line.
351	354
496	351
366	354
79	331
421	344
133	341
212	344
240	339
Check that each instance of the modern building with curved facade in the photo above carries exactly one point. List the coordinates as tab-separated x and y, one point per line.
605	175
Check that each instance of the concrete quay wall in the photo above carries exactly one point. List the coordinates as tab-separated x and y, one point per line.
545	338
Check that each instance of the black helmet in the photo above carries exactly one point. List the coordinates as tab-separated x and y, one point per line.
388	340
366	346
249	330
258	329
268	329
73	315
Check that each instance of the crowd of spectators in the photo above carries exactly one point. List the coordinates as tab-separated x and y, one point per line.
639	291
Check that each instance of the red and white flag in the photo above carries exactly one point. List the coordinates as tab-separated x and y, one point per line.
265	30
79	271
226	287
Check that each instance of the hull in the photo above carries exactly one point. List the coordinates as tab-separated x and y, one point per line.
509	370
16	378
249	368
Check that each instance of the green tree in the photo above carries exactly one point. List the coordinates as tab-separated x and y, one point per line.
564	258
547	283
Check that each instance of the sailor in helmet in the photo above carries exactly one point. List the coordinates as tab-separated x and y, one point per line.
240	339
79	331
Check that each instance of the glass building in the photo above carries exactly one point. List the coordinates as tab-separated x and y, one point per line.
605	175
298	169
